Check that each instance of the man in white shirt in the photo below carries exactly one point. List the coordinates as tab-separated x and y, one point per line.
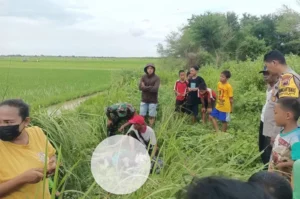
267	129
145	134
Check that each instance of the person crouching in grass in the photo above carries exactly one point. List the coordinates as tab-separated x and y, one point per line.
180	89
23	151
208	99
224	102
146	135
286	147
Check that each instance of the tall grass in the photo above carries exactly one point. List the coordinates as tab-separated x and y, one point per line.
187	150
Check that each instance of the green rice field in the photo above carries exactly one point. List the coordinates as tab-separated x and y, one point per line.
52	80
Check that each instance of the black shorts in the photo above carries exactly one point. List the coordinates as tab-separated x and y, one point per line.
180	106
213	104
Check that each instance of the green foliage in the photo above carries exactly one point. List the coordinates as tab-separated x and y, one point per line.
226	37
251	48
210	30
204	58
187	150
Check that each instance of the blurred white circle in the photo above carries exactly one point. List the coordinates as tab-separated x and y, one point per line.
120	164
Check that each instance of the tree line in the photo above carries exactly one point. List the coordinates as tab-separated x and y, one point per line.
212	38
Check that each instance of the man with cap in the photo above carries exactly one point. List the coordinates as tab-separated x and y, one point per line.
268	129
143	133
149	85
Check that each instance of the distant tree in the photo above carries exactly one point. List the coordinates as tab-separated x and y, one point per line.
212	32
251	48
288	26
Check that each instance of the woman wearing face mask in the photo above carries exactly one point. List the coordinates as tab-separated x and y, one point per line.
22	152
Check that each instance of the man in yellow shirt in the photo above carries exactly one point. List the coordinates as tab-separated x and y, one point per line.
224	102
24	152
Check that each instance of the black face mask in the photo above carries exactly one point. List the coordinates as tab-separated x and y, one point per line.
9	133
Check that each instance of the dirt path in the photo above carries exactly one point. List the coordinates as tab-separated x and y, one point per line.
68	105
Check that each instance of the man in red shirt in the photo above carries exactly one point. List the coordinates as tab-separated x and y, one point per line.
208	100
180	89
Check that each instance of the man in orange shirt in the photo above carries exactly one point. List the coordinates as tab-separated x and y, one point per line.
24	151
224	102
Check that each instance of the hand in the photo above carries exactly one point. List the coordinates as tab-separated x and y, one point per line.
270	168
209	110
121	129
33	176
203	110
143	84
51	166
189	89
272	141
280	166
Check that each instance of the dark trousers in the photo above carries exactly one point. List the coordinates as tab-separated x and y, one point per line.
180	106
264	144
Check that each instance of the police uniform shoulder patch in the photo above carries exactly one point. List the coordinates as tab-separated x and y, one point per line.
286	79
287	86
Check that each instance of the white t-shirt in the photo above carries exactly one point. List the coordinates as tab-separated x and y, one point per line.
148	136
269	96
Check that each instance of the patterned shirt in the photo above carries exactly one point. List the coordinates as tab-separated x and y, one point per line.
120	111
286	148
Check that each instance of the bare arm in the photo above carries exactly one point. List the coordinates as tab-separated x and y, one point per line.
282	165
31	176
231	103
11	186
202	101
230	98
209	104
124	126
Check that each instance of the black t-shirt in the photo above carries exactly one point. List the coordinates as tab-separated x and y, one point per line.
193	95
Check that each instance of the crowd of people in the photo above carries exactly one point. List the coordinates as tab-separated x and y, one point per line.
24	153
279	134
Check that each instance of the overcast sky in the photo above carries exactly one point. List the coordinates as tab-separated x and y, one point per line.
105	28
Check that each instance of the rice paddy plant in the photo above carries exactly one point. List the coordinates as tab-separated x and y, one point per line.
187	150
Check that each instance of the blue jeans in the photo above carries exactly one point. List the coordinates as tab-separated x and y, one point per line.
145	108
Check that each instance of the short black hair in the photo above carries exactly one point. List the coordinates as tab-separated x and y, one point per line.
274	55
220	188
226	73
290	104
202	86
274	184
195	67
19	104
181	71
